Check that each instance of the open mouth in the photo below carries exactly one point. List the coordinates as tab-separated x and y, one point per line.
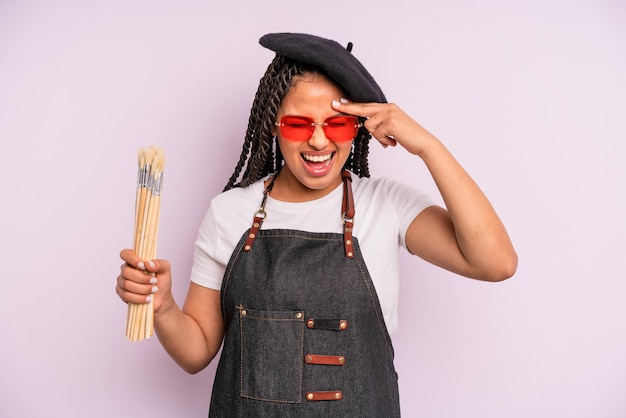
318	164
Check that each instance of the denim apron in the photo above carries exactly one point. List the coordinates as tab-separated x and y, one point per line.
305	335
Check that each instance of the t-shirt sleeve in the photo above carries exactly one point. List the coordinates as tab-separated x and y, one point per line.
207	270
408	202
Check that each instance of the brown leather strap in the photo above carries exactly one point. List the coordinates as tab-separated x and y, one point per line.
256	226
259	217
348	201
347	209
324	360
330	395
327	324
347	212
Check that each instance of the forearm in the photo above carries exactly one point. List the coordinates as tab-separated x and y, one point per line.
182	337
481	237
468	238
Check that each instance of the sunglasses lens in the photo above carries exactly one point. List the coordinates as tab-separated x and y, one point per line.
336	128
296	128
341	128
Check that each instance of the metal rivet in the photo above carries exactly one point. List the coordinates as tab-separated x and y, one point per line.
350	254
310	323
251	235
247	248
341	360
348	242
256	225
338	395
309	396
299	315
243	312
309	359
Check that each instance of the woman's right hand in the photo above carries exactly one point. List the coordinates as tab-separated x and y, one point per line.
140	281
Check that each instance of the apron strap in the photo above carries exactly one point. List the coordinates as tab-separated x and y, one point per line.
347	215
259	217
347	209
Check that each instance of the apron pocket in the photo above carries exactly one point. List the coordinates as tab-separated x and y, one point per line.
272	344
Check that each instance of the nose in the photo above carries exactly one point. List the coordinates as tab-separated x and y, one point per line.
318	140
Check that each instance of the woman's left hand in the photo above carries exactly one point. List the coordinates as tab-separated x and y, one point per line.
467	238
389	124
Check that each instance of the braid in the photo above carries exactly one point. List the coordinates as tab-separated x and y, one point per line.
257	154
260	154
359	163
246	145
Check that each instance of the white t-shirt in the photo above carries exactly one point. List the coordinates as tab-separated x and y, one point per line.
384	209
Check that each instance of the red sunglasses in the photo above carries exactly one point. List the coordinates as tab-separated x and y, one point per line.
336	128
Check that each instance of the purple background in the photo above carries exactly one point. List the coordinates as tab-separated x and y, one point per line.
528	95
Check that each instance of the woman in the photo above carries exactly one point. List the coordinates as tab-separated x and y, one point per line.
303	291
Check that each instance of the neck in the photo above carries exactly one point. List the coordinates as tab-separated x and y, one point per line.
288	188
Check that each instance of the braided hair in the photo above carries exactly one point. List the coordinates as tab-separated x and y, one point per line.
260	154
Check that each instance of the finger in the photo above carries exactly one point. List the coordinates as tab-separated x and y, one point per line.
135	286
130	297
132	274
386	140
381	131
139	288
365	110
132	259
157	266
373	124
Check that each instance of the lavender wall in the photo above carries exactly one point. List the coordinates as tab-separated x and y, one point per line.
528	95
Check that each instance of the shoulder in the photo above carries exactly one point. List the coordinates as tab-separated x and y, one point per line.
388	201
232	210
386	188
243	195
376	183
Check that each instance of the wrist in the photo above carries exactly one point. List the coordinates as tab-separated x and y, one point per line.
431	148
166	307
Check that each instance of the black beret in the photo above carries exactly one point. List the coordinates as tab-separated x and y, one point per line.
337	61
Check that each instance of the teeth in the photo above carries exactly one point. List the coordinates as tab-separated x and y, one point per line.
316	158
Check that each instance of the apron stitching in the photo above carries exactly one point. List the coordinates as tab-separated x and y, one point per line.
241	360
361	269
226	281
302	237
381	325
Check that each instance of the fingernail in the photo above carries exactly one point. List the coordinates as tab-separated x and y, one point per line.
149	299
153	280
344	101
151	264
141	265
336	103
155	289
